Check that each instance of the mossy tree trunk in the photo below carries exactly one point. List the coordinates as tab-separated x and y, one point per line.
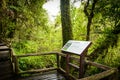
66	24
66	21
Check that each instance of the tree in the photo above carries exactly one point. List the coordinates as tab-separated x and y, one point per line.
66	24
7	23
110	12
90	14
66	21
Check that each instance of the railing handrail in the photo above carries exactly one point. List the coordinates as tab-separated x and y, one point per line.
109	70
35	54
100	75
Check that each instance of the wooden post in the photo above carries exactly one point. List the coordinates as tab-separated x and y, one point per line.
58	61
81	66
16	65
67	65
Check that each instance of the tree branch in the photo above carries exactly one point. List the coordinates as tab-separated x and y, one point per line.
85	8
93	7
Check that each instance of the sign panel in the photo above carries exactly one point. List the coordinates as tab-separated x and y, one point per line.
76	47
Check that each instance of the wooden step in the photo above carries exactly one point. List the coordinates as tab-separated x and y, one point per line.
7	77
6	70
4	56
4	53
4	48
2	44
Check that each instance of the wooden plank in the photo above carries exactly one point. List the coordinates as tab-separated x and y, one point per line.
2	44
35	54
61	54
4	48
5	68
73	65
5	63
100	75
7	77
101	66
63	72
51	75
75	58
6	72
4	54
37	70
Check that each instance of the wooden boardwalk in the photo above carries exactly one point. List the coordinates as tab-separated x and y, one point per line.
6	68
9	69
53	75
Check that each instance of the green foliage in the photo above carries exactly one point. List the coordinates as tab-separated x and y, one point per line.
79	22
112	56
27	24
33	33
25	47
41	62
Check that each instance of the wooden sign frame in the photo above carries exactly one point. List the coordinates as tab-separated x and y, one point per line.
76	47
79	48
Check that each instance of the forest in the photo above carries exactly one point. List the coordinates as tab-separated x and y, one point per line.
26	27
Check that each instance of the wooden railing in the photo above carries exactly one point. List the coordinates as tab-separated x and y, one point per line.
108	70
103	75
16	64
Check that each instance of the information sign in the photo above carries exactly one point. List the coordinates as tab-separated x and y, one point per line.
76	47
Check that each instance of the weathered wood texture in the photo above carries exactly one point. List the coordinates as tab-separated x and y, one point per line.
6	68
109	71
38	70
75	66
51	75
100	75
64	73
2	44
4	48
35	54
101	66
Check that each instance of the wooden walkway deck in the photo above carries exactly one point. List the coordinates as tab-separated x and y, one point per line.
6	68
9	69
52	75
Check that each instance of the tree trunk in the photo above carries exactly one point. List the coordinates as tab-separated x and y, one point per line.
89	16
66	25
88	29
66	21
